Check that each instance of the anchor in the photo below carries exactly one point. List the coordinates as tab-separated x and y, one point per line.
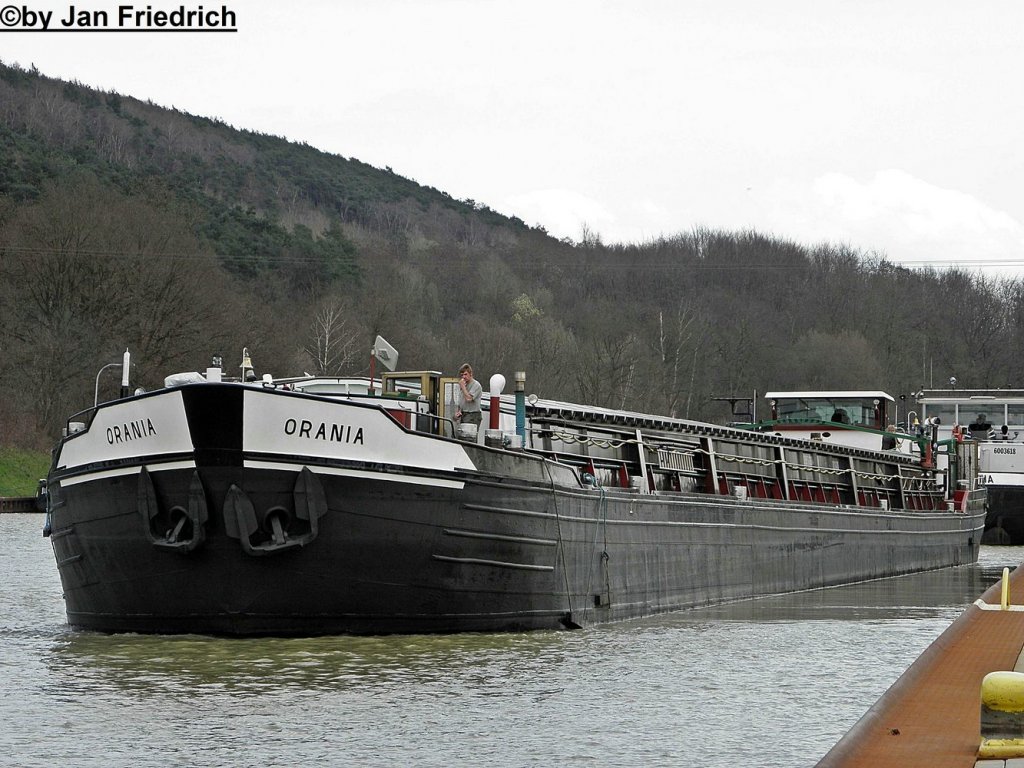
277	529
180	529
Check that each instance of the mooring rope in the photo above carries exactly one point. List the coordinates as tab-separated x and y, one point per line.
561	543
602	523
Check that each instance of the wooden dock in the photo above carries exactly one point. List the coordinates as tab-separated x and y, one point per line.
931	716
17	504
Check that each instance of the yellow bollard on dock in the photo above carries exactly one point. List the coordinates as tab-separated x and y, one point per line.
1002	715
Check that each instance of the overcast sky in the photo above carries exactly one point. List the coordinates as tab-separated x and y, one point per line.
894	127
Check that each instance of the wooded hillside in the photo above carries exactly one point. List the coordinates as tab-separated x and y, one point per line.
124	224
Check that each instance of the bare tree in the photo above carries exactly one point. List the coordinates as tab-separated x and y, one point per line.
95	272
333	343
674	341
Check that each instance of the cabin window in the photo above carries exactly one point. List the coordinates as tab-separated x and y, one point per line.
1015	414
805	409
946	413
841	410
980	418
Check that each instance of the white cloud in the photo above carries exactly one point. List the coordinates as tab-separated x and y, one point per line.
906	218
635	122
565	213
562	212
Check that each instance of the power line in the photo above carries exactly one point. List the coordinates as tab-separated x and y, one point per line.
181	255
602	261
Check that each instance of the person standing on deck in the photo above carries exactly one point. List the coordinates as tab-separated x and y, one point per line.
470	394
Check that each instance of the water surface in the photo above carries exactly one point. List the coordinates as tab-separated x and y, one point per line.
771	682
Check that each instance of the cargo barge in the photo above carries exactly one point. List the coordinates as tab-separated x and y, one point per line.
322	506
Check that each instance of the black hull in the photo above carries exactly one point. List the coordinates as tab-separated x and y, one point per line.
486	558
1004	522
227	540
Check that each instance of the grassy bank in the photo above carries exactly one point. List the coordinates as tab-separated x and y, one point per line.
20	471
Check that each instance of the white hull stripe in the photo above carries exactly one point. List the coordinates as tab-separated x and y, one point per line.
1002	478
437	482
989	607
108	473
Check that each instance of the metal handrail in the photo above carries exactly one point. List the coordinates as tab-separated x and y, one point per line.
96	394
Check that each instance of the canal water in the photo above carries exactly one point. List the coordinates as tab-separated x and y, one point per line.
772	682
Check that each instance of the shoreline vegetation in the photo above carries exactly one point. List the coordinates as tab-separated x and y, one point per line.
20	470
129	226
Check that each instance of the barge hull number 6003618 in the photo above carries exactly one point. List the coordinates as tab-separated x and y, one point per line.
314	506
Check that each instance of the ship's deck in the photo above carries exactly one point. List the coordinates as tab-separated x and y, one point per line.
931	715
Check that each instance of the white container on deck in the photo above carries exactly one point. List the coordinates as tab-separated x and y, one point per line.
466	432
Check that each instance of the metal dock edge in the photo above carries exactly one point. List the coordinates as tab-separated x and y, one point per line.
17	504
931	716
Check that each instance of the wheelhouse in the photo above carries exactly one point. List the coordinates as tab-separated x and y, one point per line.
853	418
862	409
984	414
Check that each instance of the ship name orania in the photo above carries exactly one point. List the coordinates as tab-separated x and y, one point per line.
130	430
335	433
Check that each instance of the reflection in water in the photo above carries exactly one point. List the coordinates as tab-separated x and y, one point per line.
154	665
774	681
